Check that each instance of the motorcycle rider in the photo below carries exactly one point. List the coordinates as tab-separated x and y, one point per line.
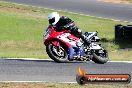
62	22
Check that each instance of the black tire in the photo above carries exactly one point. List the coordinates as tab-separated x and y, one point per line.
118	32
54	57
100	59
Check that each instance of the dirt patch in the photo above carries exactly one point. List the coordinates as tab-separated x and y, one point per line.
116	1
57	85
27	85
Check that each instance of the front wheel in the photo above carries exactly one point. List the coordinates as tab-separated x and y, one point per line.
100	56
57	53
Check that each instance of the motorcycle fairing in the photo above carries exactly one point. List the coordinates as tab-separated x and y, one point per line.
66	38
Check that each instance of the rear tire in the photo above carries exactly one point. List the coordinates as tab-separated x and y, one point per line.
100	59
54	56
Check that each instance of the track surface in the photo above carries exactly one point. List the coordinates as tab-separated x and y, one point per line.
90	7
49	71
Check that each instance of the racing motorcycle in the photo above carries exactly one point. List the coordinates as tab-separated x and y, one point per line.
58	44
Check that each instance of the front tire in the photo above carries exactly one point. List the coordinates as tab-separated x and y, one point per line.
59	56
100	58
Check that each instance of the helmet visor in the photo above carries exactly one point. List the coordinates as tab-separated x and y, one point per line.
51	20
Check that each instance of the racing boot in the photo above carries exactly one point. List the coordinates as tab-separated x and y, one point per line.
85	39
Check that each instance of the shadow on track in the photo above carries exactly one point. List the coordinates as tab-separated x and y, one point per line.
42	60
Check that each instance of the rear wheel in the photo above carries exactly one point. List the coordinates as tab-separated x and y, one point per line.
100	56
57	53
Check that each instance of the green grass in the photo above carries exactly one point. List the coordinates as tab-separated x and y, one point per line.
22	27
54	85
129	1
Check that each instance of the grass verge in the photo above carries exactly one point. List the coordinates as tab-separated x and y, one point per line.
130	1
22	27
54	85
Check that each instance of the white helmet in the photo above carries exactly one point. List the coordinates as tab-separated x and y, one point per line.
53	18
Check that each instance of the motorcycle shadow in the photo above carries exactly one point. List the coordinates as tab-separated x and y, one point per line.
40	60
123	43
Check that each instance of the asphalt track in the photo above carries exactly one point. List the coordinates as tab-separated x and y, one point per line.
88	7
21	70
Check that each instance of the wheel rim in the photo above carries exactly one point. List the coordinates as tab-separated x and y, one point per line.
101	53
58	52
